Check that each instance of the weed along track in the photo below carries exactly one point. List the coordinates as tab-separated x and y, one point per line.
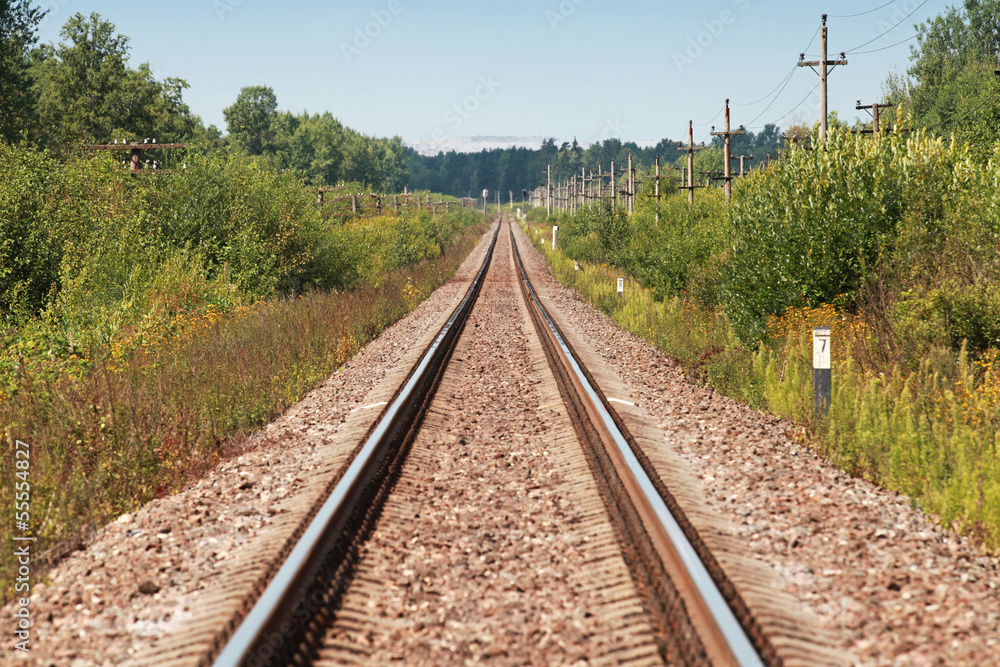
500	498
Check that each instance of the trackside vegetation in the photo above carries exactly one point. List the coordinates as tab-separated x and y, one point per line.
148	321
893	242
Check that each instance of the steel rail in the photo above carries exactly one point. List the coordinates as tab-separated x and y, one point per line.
269	623
724	638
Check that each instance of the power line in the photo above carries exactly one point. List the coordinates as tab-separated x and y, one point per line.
783	81
911	37
780	84
712	120
801	102
889	30
787	80
969	114
851	16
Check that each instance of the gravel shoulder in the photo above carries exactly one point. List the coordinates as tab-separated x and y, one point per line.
894	587
141	577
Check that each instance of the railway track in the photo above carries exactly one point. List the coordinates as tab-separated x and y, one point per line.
504	504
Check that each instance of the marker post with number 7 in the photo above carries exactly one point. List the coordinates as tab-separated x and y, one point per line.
822	376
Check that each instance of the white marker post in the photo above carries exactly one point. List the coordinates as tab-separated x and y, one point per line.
554	230
576	266
822	375
621	287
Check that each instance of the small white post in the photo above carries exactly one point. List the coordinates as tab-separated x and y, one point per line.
822	379
555	228
621	287
576	266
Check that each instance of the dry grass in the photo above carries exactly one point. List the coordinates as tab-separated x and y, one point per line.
150	417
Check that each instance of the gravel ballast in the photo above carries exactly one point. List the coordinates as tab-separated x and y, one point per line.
893	587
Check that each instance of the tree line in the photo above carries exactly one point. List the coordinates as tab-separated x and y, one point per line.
85	90
515	169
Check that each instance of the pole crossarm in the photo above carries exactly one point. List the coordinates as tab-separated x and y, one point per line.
823	63
145	147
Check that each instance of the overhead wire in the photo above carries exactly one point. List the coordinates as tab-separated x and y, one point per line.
887	31
801	102
851	16
784	84
911	37
712	119
780	84
787	81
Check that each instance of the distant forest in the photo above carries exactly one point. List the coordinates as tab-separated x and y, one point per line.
513	169
84	91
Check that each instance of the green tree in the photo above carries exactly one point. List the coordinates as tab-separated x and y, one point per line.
88	93
18	24
250	119
951	87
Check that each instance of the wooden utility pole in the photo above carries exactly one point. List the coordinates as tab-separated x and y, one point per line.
741	158
614	192
873	110
657	188
630	187
691	148
727	152
135	150
823	72
548	191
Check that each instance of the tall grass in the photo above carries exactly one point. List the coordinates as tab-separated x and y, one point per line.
148	321
912	408
140	426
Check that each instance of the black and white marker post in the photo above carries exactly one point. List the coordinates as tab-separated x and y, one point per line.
821	369
554	230
621	287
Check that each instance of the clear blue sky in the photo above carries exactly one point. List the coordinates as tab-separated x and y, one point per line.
591	69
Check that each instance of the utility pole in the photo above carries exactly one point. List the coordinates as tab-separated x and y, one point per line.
741	158
630	185
614	193
135	150
548	191
657	188
691	148
727	153
874	112
823	72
